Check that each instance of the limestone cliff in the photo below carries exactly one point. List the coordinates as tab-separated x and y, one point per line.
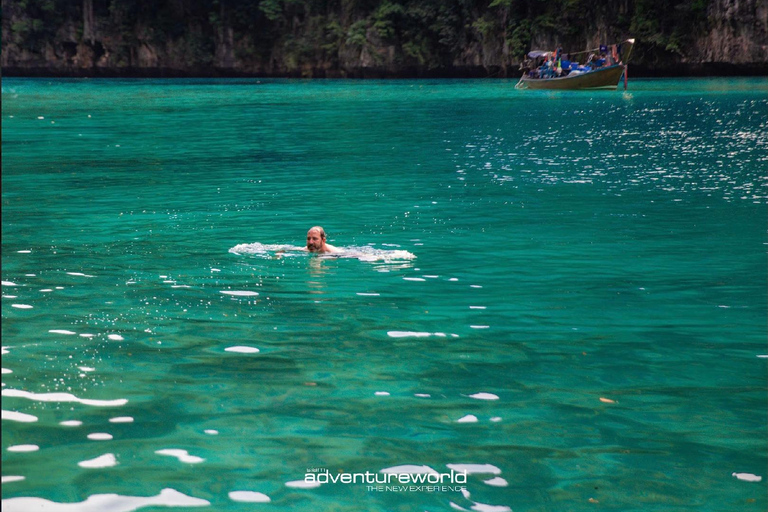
370	37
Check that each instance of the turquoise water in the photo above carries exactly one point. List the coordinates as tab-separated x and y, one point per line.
583	326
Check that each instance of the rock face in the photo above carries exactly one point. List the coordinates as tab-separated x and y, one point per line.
387	38
738	33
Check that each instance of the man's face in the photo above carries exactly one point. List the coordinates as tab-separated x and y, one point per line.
314	241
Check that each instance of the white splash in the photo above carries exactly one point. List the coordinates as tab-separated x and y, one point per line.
71	423
18	416
7	371
211	432
475	468
240	293
381	393
747	477
408	334
21	306
102	502
24	448
115	337
249	497
469	418
182	455
104	461
62	397
302	484
99	436
9	283
121	419
242	349
13	478
61	331
79	274
484	396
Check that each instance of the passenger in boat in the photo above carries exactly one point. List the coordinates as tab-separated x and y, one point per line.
316	241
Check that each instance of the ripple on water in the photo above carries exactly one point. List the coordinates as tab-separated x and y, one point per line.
182	455
62	397
249	497
103	461
241	349
18	416
101	502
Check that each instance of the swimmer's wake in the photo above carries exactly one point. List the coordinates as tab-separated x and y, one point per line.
364	253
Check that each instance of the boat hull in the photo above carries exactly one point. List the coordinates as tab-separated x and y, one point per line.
603	78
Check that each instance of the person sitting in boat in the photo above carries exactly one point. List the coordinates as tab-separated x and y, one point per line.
316	242
602	61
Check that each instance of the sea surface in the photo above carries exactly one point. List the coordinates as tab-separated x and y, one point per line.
548	301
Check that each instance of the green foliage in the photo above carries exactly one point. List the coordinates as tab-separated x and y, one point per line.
300	34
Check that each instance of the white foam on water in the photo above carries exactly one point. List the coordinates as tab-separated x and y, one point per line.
121	419
9	283
240	293
7	371
18	416
46	290
26	251
13	478
23	448
302	484
22	306
10	296
71	423
483	507
79	274
419	279
484	396
381	393
242	349
475	468
100	436
368	294
61	331
211	432
249	497
469	418
104	461
408	334
62	397
115	337
182	455
475	286
86	369
496	419
103	502
496	482
423	395
747	477
477	307
480	326
87	335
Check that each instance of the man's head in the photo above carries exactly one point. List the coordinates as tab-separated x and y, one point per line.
315	239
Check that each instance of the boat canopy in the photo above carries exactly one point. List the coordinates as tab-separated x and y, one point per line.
535	54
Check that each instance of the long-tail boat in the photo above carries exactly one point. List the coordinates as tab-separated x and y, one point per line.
556	70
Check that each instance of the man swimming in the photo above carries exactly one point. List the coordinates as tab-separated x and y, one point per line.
316	241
